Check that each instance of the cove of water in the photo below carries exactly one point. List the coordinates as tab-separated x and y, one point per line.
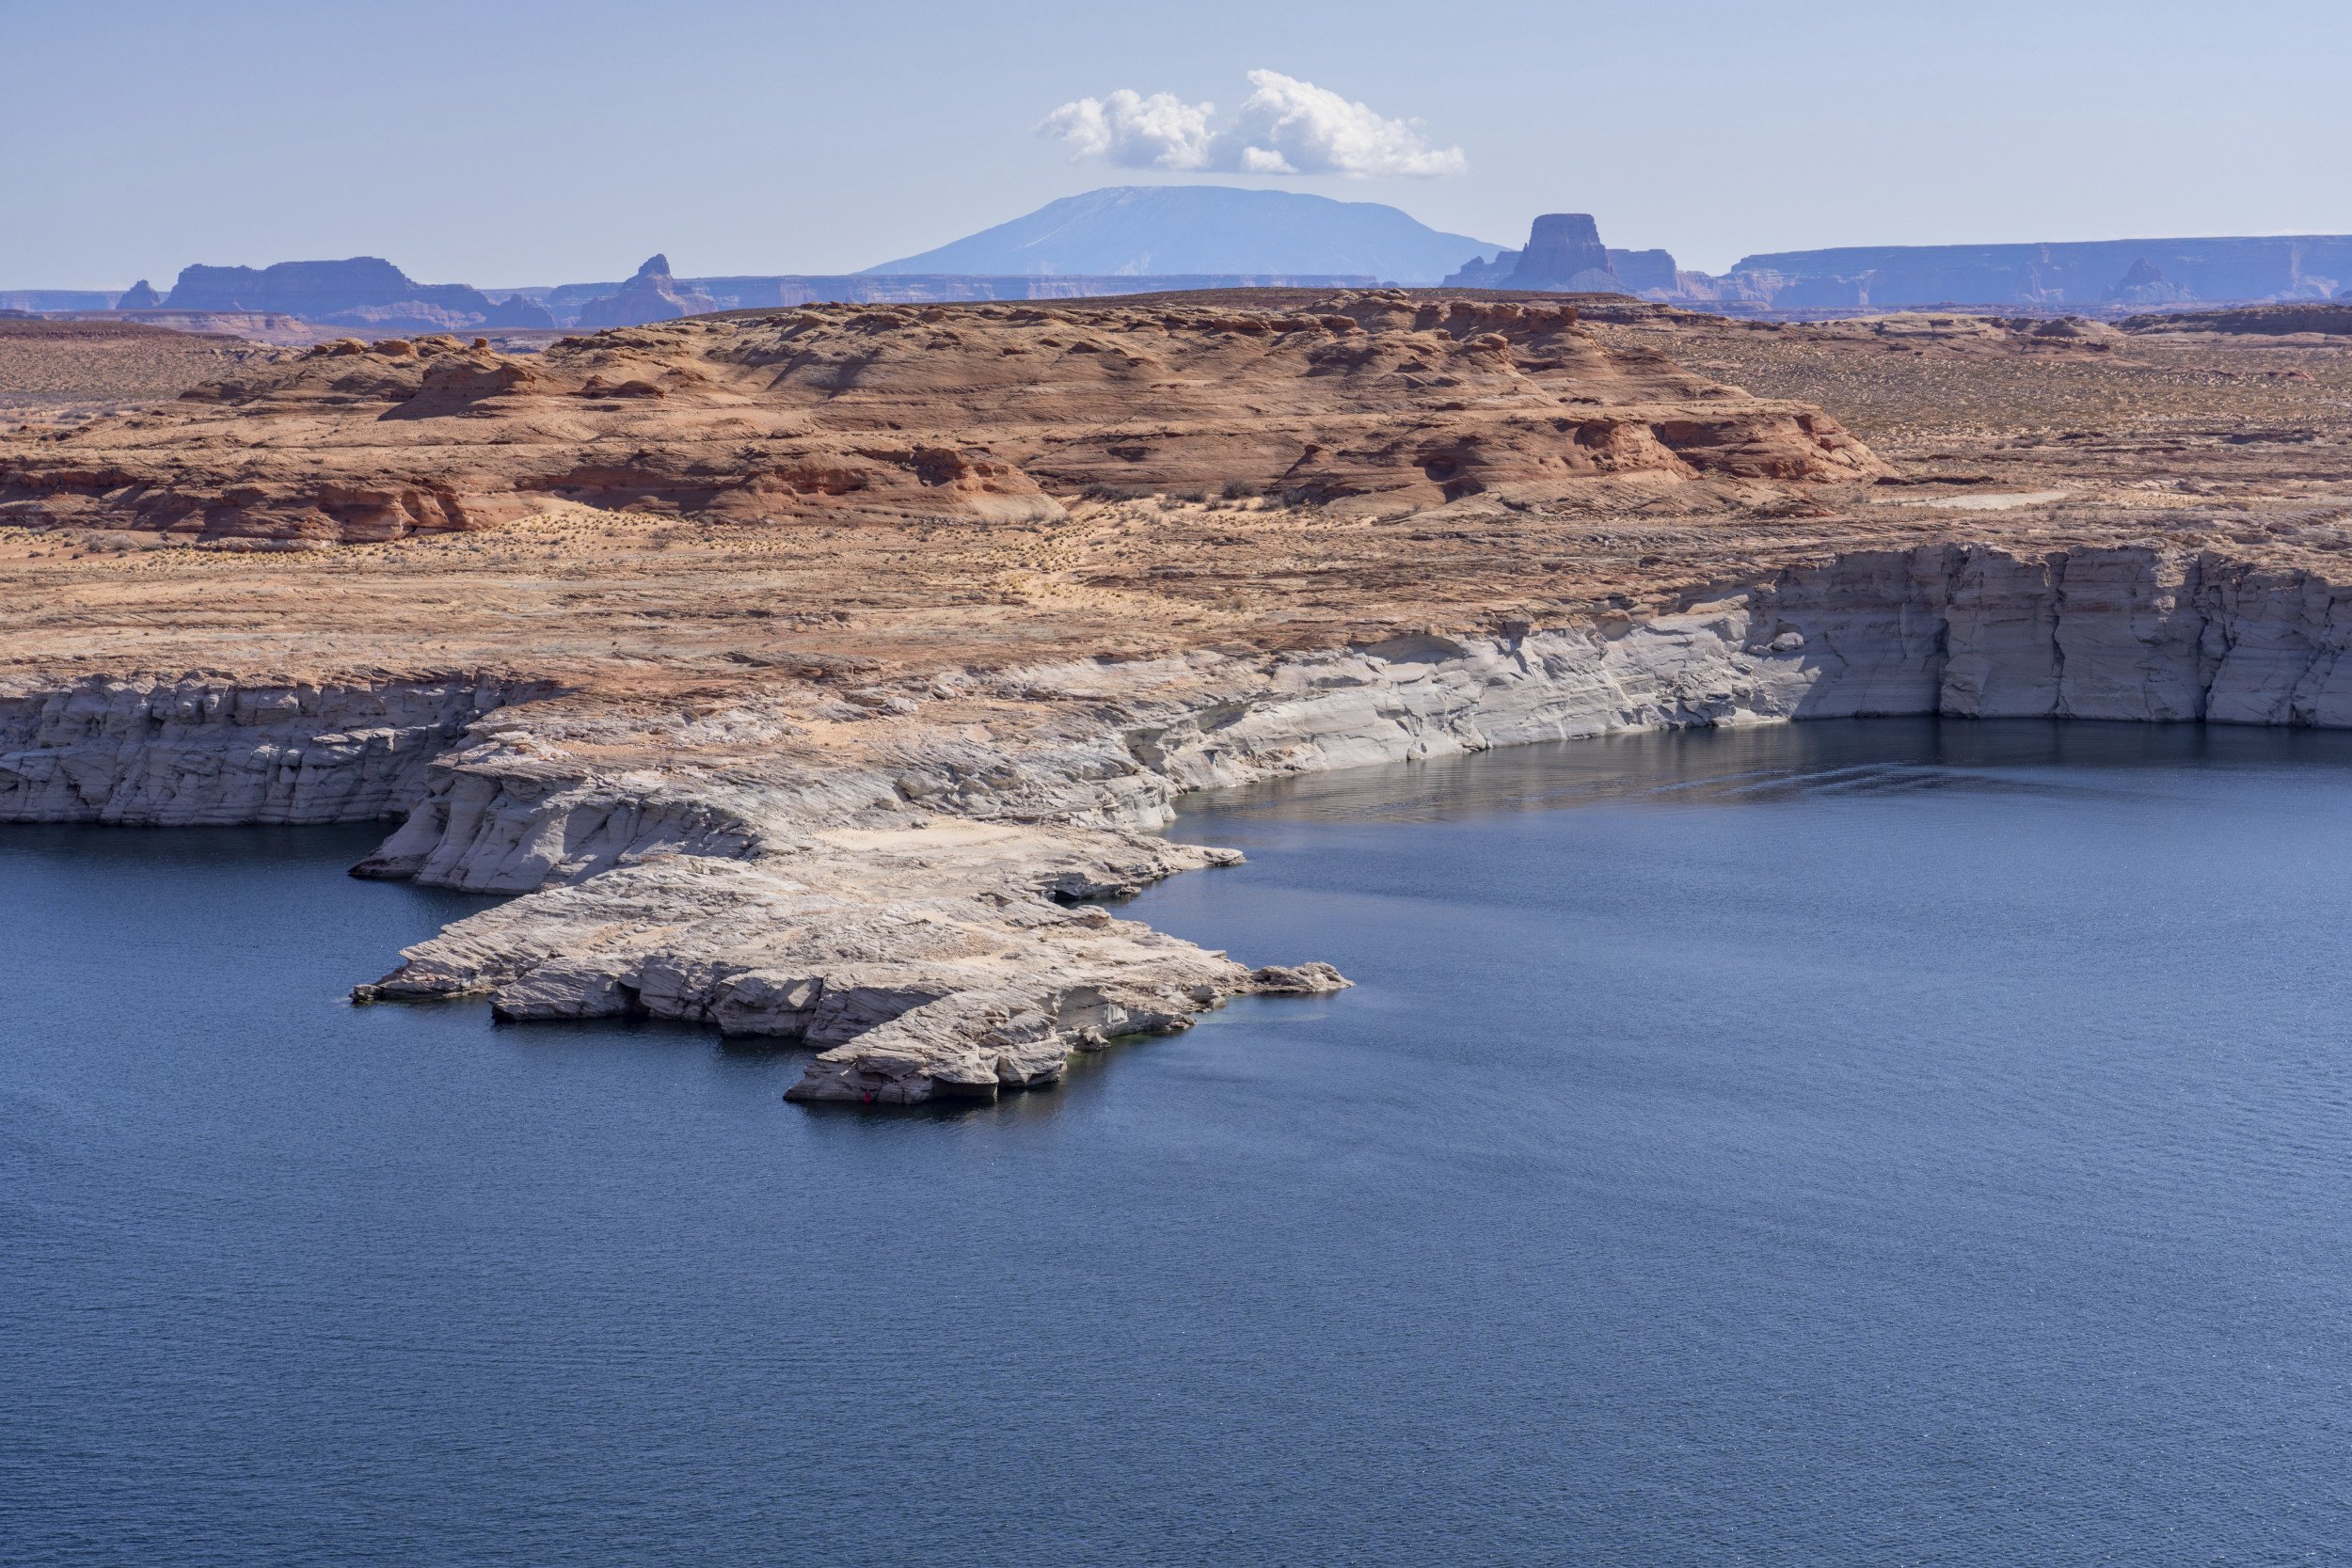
1858	1142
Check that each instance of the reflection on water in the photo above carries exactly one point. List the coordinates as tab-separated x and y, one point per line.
1845	1143
1768	763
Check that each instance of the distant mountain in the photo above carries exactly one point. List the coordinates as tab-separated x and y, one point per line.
1159	229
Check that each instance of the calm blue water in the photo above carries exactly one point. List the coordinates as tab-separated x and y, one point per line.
1857	1144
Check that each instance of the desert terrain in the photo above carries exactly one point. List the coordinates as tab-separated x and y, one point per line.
628	578
798	668
67	371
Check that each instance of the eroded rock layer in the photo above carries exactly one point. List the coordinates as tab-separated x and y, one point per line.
831	761
990	411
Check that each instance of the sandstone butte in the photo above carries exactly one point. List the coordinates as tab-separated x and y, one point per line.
800	671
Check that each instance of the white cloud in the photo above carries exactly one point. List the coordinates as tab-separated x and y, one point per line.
1134	132
1285	126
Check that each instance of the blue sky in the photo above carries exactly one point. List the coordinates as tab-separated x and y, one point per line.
534	143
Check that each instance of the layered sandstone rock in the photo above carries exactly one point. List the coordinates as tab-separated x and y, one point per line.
1379	400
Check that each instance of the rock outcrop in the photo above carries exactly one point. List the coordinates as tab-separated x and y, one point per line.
1564	255
1563	252
139	296
921	962
197	752
1378	401
2145	285
1651	274
651	296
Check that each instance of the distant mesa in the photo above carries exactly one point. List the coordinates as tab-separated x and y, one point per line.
365	292
1560	254
1563	254
1154	239
652	295
2281	268
1201	229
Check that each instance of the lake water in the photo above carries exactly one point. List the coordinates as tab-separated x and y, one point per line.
1848	1143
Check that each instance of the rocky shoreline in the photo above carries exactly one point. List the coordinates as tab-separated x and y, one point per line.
887	872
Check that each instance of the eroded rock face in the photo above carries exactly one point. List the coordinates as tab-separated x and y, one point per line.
202	752
2128	634
1378	400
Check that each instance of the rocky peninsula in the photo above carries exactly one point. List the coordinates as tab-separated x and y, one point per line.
801	672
